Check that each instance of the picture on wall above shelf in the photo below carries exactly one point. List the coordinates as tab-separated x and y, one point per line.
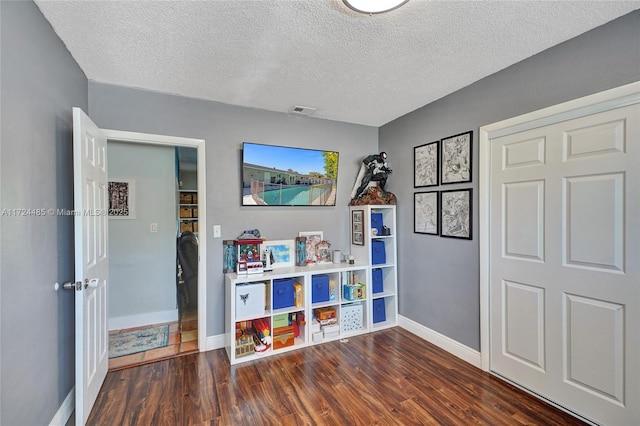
425	212
455	158
425	164
455	218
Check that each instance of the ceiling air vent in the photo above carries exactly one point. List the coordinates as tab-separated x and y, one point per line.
302	110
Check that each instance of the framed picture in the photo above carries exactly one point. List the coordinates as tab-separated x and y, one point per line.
425	213
357	227
122	198
455	216
425	165
313	239
283	252
455	158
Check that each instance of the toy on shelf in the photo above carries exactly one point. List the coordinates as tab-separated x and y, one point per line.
229	259
262	336
249	260
267	259
244	338
251	234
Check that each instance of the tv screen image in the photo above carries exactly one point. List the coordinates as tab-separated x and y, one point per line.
285	176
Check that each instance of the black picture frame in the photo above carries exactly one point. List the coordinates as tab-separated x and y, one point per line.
426	165
357	227
456	158
426	213
456	214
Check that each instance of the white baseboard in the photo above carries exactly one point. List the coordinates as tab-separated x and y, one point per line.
120	323
454	347
66	409
215	342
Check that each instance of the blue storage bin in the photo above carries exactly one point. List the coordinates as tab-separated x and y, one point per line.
320	288
378	254
376	278
379	313
283	294
376	222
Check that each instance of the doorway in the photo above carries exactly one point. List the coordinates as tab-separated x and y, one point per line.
183	322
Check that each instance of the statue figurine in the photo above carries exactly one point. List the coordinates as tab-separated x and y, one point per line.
229	263
374	168
301	251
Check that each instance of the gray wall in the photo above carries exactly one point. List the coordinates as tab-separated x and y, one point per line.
40	84
225	128
142	264
439	277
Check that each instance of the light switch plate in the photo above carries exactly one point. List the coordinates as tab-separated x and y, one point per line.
217	231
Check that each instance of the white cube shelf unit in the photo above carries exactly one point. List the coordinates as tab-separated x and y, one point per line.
383	305
238	346
358	310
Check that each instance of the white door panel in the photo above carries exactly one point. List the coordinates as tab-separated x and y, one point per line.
90	226
563	276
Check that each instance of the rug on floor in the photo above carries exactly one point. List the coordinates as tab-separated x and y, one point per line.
131	342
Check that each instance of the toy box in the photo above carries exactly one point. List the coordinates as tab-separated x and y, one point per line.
331	331
298	298
281	320
250	300
326	315
283	337
248	255
353	291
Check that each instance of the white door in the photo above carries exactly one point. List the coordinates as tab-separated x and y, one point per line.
90	205
564	263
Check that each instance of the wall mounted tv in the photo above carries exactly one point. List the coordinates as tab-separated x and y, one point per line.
284	176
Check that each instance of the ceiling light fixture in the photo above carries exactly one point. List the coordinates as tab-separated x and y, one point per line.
374	6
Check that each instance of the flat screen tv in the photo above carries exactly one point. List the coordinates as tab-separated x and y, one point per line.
284	176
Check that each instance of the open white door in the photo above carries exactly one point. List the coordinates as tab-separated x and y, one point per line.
90	205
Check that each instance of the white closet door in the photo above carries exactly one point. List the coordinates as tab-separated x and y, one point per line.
564	263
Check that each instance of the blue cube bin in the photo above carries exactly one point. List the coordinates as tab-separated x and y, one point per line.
283	293
379	313
376	222
378	254
377	285
320	291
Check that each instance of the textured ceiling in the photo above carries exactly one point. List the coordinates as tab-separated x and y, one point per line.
274	54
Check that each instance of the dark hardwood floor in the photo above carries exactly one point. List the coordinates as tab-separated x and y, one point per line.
390	377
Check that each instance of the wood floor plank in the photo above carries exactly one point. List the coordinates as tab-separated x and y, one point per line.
390	377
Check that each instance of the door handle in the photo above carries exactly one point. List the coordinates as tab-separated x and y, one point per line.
72	285
92	283
78	285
